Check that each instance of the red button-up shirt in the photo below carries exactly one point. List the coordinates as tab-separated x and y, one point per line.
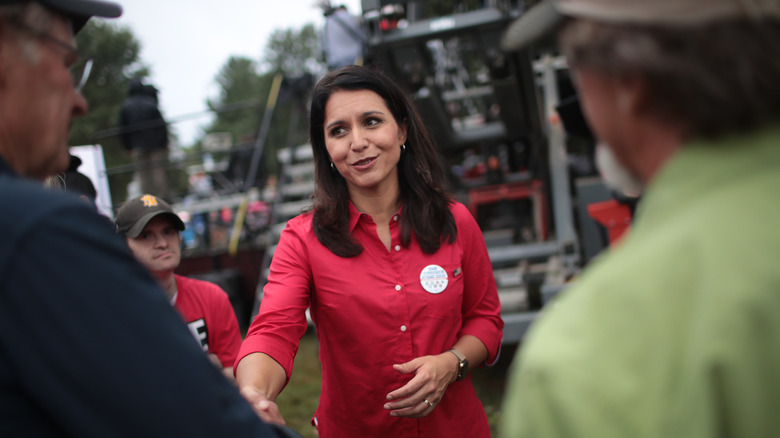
375	310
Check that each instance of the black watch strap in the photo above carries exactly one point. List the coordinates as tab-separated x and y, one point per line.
463	363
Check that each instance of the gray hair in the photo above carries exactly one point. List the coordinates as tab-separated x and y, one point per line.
714	79
32	14
55	182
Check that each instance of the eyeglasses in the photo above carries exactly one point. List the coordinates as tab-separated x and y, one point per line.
80	66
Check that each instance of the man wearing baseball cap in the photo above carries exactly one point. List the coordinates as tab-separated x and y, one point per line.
675	332
89	347
151	229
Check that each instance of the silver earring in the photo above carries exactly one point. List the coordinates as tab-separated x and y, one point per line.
403	148
332	166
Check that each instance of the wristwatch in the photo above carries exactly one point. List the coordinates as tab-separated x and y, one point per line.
463	363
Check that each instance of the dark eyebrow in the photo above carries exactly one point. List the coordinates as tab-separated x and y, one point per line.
332	124
367	113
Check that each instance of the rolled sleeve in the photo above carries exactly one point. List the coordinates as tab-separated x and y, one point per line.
481	306
281	321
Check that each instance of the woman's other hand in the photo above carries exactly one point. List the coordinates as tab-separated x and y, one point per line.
419	397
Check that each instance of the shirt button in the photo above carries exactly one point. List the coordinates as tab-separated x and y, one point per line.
403	328
397	287
398	247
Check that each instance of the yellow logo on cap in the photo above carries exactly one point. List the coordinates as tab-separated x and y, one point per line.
149	201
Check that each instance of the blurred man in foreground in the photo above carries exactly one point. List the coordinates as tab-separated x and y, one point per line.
89	347
674	333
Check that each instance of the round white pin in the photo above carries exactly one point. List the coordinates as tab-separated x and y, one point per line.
433	279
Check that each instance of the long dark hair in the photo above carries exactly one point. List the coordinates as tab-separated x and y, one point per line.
421	179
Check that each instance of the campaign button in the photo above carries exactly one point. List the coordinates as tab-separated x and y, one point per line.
433	279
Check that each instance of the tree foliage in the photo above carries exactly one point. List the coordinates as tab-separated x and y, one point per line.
294	52
116	54
245	87
237	105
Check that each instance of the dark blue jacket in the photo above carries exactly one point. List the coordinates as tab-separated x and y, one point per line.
89	345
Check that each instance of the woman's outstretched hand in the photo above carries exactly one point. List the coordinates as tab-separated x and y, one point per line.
265	408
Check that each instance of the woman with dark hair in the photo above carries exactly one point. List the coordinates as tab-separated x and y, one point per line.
395	272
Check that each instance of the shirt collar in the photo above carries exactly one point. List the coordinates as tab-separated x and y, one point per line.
703	165
354	215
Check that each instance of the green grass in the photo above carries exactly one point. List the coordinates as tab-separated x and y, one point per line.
299	399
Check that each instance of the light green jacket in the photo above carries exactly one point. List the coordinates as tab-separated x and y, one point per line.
676	332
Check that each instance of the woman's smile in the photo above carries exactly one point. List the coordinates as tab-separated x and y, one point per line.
364	163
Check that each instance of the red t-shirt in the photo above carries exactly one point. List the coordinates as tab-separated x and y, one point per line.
375	310
209	315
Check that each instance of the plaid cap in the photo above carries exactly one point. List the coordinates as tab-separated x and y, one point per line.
133	215
544	17
77	11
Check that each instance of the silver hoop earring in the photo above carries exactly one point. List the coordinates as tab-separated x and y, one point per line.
403	148
332	166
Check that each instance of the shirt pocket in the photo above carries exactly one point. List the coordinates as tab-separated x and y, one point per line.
442	297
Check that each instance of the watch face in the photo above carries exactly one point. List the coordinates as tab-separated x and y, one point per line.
463	363
462	369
